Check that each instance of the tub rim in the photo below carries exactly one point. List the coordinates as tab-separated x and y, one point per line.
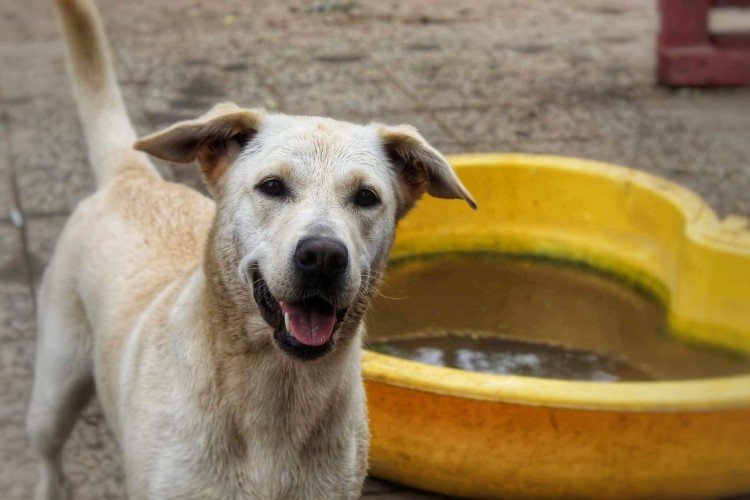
683	395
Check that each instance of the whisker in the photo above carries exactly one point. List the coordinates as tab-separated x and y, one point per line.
376	283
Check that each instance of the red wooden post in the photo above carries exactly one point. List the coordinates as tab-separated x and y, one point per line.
689	54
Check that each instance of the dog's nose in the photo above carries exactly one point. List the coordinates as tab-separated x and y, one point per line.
321	259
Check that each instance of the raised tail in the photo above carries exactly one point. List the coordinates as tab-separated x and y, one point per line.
106	124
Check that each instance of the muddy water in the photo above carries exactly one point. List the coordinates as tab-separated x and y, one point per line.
514	316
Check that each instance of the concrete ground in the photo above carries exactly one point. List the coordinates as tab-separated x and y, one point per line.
567	78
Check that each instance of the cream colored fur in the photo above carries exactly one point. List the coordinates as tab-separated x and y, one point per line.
148	298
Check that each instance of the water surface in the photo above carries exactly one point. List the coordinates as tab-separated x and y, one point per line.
504	315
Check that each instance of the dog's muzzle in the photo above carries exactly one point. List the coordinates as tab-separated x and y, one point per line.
303	329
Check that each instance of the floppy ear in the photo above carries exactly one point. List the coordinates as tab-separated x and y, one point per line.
215	139
420	166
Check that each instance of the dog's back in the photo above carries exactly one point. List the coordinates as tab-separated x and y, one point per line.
136	227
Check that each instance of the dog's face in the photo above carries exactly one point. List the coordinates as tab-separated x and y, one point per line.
308	208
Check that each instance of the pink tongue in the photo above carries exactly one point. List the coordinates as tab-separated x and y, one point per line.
307	324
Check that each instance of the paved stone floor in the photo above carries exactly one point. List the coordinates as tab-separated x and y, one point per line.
567	78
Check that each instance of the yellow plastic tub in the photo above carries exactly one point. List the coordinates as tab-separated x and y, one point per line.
478	435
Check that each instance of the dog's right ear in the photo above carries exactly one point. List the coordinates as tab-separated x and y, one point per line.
215	139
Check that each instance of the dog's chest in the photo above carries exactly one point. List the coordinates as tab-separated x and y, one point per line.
209	466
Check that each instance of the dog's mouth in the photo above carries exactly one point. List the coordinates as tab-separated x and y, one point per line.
304	328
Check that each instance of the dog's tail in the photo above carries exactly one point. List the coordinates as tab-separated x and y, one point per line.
106	124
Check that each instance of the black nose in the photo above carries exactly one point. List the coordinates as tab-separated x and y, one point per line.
320	259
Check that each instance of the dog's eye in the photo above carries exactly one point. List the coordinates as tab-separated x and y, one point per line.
366	198
272	187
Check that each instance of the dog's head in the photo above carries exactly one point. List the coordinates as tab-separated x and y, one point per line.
307	209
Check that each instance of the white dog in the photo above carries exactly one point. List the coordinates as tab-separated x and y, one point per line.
222	337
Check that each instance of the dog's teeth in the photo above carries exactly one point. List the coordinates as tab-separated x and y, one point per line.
286	321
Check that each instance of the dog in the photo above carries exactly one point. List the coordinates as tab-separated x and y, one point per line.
223	337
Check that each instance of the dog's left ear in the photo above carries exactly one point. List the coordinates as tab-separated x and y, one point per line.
215	139
421	168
